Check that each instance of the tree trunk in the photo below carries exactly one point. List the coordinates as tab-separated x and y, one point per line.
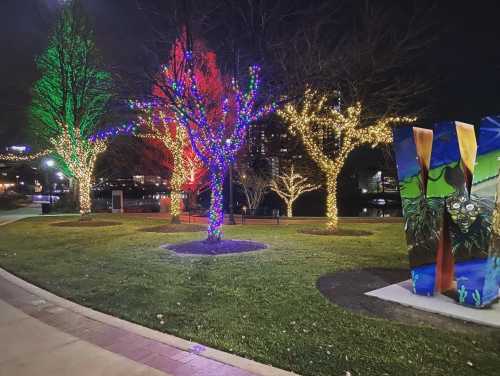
74	193
176	190
216	213
331	202
289	209
192	199
84	185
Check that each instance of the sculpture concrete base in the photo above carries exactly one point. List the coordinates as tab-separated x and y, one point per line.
402	293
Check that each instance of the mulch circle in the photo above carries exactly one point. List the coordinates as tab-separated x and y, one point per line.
347	289
92	223
338	232
223	247
172	228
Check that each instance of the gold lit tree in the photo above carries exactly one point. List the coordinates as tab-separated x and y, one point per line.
313	116
79	155
289	186
157	125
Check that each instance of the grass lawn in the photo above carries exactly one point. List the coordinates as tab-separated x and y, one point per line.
263	305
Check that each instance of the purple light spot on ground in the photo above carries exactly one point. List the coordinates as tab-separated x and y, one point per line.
216	248
197	349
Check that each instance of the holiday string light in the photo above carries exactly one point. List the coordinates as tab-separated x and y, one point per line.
70	98
289	186
308	120
217	134
157	125
120	130
24	157
79	155
158	121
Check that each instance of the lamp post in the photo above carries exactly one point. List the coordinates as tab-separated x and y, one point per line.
49	163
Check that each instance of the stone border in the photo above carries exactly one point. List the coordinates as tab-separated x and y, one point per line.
168	339
402	293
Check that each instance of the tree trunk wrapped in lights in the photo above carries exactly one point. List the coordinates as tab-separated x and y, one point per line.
185	165
313	116
79	155
70	98
215	113
216	213
289	186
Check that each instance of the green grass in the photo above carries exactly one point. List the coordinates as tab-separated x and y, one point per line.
263	306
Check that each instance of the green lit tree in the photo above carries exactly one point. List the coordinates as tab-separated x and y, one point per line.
70	99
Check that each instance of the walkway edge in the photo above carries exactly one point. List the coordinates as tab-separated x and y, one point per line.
168	339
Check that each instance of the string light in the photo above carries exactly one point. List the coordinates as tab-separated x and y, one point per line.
69	100
24	157
158	121
120	130
79	154
157	125
217	134
348	129
290	185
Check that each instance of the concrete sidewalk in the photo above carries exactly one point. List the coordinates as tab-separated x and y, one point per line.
9	216
31	347
42	334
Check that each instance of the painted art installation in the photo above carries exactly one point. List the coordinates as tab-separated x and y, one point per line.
451	205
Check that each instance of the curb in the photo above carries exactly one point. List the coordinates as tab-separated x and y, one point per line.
168	339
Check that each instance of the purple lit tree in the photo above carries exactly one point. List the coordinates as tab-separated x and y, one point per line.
216	114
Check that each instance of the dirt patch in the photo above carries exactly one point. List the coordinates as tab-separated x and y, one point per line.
347	289
223	247
338	232
172	228
87	223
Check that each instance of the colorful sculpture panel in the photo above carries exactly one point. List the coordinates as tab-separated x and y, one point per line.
450	194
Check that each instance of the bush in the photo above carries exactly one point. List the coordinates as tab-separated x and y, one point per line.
12	200
66	204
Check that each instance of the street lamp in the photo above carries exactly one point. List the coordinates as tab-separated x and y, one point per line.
49	163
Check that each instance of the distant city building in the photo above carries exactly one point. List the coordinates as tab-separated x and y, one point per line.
150	179
370	181
270	146
6	186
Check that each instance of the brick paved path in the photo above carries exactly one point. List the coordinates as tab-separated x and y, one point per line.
39	336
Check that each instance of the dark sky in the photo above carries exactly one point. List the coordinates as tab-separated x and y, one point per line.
466	57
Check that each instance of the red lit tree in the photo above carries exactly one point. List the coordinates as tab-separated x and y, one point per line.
157	120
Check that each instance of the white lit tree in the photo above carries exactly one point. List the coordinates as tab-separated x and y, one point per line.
289	186
254	185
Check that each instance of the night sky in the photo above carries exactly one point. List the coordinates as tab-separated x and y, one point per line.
465	60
